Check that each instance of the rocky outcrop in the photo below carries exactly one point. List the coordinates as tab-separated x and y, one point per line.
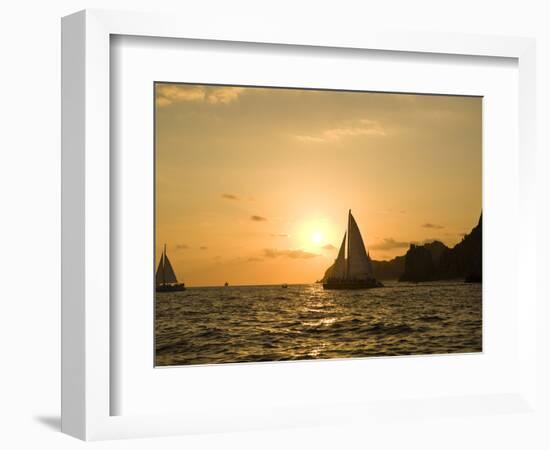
435	261
465	259
421	262
389	270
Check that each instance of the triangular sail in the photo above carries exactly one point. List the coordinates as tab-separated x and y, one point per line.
165	272
160	271
359	266
169	275
339	267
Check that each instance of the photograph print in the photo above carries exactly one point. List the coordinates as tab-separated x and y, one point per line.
297	224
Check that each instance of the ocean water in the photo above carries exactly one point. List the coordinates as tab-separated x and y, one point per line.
269	323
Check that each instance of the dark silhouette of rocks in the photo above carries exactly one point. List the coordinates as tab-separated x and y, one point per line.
465	259
421	261
435	261
389	270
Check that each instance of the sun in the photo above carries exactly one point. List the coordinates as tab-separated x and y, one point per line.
317	237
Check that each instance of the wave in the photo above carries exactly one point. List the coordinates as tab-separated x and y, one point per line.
306	322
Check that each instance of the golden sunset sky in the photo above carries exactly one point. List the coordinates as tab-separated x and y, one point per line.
253	185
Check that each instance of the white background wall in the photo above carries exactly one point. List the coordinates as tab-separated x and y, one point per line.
30	195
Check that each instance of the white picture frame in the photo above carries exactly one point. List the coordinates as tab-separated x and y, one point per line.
87	386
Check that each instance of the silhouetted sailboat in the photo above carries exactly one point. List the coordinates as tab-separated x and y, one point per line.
166	280
355	270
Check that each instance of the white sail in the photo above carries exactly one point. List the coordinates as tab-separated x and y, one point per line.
339	267
359	266
169	275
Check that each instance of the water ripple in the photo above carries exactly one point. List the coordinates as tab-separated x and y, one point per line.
261	323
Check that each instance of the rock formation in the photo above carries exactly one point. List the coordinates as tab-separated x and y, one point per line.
435	261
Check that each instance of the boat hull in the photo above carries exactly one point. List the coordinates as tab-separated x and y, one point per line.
370	283
170	287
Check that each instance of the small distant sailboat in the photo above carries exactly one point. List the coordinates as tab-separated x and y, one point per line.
166	280
226	284
284	286
354	271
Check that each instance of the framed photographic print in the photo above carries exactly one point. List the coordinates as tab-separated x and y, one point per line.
266	261
265	229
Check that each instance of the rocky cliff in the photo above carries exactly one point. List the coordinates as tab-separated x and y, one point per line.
422	261
389	270
435	261
465	259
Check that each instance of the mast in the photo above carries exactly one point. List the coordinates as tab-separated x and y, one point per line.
160	277
164	265
359	266
339	266
165	272
169	274
347	259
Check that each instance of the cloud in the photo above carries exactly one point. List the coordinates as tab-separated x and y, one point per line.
329	247
389	244
230	197
432	226
258	218
361	127
203	247
253	259
168	94
281	235
425	241
182	247
225	94
161	101
294	254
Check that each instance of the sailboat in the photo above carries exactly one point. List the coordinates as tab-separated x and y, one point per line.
355	270
166	280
